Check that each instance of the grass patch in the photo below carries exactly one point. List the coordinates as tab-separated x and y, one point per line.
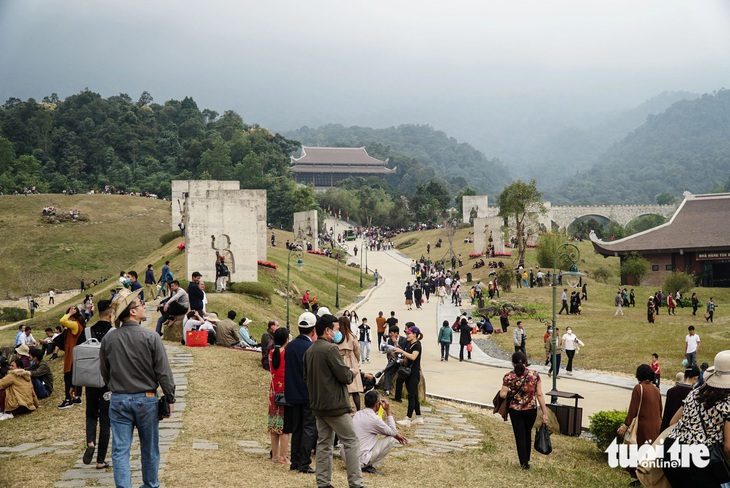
406	243
38	256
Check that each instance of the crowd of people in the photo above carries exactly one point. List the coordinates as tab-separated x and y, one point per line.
316	386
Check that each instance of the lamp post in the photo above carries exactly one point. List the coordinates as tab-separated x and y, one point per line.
295	250
363	250
344	248
571	253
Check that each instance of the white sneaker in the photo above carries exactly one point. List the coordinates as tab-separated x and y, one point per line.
6	416
405	422
418	420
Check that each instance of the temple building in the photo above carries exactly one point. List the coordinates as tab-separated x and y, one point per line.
324	167
695	240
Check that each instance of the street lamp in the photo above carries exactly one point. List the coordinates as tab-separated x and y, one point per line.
571	253
294	250
344	248
363	250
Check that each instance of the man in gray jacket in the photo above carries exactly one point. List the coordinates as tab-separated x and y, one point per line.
133	363
327	377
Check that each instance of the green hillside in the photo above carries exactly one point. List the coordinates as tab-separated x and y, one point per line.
37	255
685	148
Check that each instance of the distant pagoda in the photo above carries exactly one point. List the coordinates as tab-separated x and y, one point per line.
324	167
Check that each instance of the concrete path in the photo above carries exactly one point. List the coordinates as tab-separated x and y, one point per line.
474	381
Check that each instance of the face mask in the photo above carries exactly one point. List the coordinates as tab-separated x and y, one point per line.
550	331
32	363
338	337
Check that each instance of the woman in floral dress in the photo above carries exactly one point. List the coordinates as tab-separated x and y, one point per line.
277	429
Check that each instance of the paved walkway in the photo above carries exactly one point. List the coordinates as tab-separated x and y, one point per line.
87	475
474	381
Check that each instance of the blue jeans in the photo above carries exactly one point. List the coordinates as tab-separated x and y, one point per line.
127	411
40	389
445	346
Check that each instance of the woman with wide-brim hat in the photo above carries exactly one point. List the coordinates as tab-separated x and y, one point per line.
703	419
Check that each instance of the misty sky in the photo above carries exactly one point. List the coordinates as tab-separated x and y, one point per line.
461	66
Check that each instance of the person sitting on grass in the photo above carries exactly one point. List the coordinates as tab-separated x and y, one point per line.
369	426
16	392
246	340
40	374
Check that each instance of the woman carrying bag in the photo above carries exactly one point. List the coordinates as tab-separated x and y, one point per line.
524	388
646	408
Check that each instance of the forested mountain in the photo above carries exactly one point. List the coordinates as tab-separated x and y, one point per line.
687	147
86	142
419	151
553	157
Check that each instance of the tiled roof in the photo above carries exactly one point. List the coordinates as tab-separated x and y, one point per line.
357	156
338	168
699	224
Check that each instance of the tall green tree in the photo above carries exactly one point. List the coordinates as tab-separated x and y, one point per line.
521	202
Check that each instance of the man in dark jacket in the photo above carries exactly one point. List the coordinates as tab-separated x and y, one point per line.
40	374
97	407
304	427
327	378
196	294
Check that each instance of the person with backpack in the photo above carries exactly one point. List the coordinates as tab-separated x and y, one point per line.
97	406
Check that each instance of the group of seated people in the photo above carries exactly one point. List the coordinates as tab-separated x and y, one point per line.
221	332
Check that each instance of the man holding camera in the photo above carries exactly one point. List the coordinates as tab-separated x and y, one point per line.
394	359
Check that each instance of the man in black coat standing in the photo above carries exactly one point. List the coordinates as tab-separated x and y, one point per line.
195	294
304	426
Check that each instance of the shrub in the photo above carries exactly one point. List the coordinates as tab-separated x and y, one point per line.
635	268
169	237
603	426
686	301
678	280
505	277
407	243
13	314
601	274
547	251
253	289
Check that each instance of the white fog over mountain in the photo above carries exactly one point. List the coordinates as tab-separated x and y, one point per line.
503	76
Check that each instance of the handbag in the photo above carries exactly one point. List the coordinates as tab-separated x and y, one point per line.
647	472
719	467
631	434
542	440
469	347
404	372
501	405
280	400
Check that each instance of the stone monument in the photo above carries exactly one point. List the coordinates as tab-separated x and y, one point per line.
474	205
306	227
194	189
230	222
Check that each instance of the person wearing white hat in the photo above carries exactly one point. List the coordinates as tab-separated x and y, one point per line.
322	311
246	340
703	419
304	427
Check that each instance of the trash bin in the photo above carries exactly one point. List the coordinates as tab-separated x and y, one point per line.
468	277
570	418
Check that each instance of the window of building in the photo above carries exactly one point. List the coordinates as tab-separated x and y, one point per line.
655	267
668	267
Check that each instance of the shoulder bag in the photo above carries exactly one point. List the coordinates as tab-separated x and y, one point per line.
501	405
631	434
